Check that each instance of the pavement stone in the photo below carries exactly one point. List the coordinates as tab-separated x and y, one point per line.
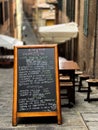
80	117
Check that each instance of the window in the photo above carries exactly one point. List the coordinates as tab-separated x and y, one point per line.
60	4
6	9
85	25
70	9
1	13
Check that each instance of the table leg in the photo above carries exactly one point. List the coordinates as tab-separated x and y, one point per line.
88	94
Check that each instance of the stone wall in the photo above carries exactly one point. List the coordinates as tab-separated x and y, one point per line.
96	44
86	43
4	27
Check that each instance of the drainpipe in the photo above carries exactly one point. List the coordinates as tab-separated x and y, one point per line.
95	42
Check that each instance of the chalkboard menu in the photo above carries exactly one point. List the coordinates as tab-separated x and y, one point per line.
36	80
36	84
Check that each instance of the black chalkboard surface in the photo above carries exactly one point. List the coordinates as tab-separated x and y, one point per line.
36	80
36	84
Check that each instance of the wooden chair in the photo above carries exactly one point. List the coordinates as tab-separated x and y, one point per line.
83	77
91	83
77	73
66	83
64	77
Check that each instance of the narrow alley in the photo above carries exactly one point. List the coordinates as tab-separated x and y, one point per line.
83	116
28	35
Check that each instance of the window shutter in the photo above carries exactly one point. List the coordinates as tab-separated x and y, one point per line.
70	9
1	13
6	10
85	17
60	4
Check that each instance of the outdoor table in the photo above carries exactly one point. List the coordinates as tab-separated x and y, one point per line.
69	67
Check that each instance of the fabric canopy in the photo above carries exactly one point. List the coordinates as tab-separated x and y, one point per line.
9	42
58	33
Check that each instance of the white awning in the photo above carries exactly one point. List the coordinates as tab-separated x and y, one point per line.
9	42
58	33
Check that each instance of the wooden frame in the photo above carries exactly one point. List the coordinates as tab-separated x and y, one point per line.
17	114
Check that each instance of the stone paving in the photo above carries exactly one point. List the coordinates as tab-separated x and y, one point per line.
83	116
28	34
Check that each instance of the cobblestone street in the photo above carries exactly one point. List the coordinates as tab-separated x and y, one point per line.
83	116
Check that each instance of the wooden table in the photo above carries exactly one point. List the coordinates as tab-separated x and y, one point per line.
69	67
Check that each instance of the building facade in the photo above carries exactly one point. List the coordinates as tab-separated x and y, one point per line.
85	48
96	43
4	17
27	7
86	19
19	18
11	18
